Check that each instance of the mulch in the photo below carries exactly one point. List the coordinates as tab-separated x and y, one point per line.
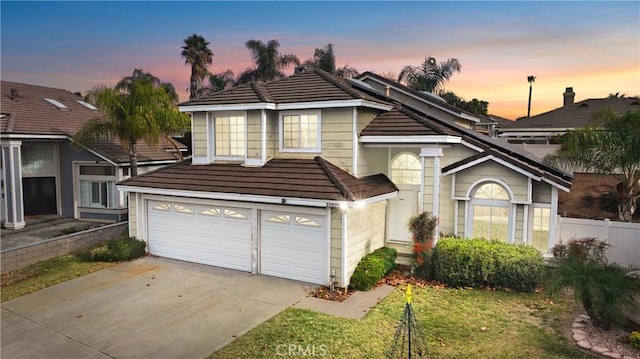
401	275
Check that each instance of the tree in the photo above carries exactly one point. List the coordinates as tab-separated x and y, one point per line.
475	106
219	81
268	62
197	54
138	74
609	145
429	76
325	59
142	111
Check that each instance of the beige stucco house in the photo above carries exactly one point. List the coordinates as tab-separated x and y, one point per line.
301	177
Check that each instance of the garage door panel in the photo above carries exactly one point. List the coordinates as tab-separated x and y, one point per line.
294	246
182	231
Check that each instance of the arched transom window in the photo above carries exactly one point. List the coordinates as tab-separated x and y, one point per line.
406	169
491	212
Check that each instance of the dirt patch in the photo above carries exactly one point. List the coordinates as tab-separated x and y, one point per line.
592	196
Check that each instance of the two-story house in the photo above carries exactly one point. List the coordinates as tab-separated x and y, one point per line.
42	174
301	177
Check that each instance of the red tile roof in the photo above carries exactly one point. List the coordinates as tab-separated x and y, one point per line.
284	178
26	112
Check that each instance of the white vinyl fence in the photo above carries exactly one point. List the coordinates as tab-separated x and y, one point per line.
623	237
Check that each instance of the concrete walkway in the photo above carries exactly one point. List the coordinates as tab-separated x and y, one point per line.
354	307
148	308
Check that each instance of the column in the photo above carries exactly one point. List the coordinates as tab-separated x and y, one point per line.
13	215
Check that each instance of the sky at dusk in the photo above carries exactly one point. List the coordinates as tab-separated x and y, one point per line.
593	47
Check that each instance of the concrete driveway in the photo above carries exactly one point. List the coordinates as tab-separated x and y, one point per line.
148	308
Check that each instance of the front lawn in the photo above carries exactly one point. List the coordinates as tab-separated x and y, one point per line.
458	323
46	273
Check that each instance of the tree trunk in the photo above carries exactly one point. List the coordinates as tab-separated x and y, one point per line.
588	307
133	157
626	208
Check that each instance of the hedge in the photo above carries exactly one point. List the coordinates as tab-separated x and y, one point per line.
373	267
482	263
119	250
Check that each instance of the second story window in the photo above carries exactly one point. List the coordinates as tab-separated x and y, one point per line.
300	131
229	135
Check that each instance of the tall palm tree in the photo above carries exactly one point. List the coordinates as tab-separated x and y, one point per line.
268	62
325	59
609	145
219	81
429	76
197	54
142	112
347	72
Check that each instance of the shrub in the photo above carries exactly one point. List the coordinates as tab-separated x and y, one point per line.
422	227
634	338
481	263
605	289
373	267
119	250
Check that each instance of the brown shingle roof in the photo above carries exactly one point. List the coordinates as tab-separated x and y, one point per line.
290	178
311	86
401	122
576	115
28	113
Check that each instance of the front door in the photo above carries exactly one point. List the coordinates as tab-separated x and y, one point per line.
406	173
39	195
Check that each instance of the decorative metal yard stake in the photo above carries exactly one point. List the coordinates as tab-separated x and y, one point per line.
409	341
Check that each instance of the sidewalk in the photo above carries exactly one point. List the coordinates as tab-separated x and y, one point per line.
354	307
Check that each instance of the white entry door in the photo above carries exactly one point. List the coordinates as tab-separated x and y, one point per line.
294	246
406	173
213	235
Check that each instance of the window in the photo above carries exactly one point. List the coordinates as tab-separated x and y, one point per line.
406	169
540	235
229	136
300	132
491	212
98	186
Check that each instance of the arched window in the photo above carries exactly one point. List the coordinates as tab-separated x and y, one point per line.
491	212
406	169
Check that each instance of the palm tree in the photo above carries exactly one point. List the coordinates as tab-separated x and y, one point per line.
219	81
197	54
141	112
429	76
347	72
325	59
126	82
609	145
268	62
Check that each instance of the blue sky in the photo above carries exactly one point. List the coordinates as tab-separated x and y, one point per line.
592	46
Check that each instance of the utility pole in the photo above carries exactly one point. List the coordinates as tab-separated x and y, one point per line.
531	80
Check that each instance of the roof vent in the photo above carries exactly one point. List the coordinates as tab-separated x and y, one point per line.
583	105
14	94
56	103
635	103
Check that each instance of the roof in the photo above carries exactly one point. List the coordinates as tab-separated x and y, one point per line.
411	122
25	112
575	115
284	178
501	121
429	98
310	86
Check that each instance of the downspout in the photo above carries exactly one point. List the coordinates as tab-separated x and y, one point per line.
343	251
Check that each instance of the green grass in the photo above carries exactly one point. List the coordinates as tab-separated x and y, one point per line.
458	323
45	274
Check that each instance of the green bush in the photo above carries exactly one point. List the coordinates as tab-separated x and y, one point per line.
482	263
119	250
373	267
634	338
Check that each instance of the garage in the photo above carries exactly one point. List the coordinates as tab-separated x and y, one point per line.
294	246
213	235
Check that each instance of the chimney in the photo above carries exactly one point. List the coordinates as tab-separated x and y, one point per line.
569	96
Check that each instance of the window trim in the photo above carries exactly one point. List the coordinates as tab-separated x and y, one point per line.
508	203
420	170
211	131
114	198
550	240
317	149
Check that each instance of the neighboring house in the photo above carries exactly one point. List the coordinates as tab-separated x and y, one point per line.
301	177
42	174
536	133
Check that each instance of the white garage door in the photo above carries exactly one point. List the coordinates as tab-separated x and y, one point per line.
294	246
213	235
